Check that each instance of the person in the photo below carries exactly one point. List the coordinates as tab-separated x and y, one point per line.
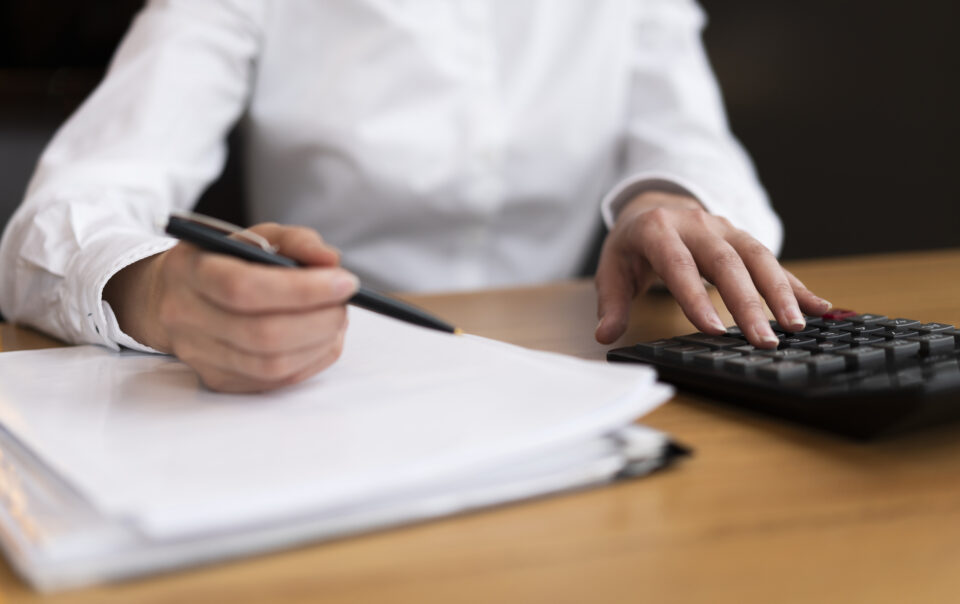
437	146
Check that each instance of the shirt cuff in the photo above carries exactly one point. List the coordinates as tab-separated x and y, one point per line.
93	320
634	185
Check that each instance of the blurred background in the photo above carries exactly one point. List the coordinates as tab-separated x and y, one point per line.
851	110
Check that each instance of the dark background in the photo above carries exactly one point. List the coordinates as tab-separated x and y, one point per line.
849	109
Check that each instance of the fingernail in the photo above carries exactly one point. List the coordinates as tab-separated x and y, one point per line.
345	284
765	335
795	319
826	303
717	324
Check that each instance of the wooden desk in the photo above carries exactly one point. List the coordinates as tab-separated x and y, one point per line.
765	512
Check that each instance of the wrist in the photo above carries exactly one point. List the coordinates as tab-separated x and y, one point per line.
133	294
649	200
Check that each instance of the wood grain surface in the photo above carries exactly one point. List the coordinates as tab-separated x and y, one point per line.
764	511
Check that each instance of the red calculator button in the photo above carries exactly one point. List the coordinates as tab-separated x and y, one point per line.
838	314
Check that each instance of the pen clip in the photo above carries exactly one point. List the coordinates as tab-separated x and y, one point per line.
226	227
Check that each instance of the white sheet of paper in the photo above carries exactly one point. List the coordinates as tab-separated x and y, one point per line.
404	407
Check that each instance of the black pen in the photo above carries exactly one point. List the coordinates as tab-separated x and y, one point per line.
213	235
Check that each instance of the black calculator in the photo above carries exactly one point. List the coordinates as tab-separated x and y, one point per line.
860	375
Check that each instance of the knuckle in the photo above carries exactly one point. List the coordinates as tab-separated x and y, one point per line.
701	217
679	261
235	290
782	289
272	368
752	306
263	334
726	258
657	217
752	247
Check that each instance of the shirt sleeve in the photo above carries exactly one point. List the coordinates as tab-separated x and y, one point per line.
677	136
148	140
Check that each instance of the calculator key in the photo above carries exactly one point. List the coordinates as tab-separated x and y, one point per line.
735	332
702	339
745	349
715	358
832	346
934	327
783	372
933	343
956	336
899	323
838	314
825	364
897	350
776	327
807	332
863	357
862	340
804	331
893	334
798	342
785	354
834	325
684	353
867	318
652	349
862	329
830	335
813	321
746	364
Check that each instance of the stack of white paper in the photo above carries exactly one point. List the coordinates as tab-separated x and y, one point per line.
119	464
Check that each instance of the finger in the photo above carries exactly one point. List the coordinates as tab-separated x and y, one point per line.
213	355
671	259
721	264
771	280
809	302
273	333
615	290
244	287
225	380
300	243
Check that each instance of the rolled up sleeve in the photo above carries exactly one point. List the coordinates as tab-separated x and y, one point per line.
148	140
677	137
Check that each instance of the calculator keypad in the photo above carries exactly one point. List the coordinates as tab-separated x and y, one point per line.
861	375
849	348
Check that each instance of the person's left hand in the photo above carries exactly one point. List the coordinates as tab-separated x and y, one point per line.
674	238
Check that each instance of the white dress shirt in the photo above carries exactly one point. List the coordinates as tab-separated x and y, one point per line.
439	144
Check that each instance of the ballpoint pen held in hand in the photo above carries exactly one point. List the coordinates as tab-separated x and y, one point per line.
214	235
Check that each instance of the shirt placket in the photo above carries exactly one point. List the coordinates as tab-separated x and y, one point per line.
483	182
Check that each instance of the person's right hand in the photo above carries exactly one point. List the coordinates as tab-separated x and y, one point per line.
242	327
